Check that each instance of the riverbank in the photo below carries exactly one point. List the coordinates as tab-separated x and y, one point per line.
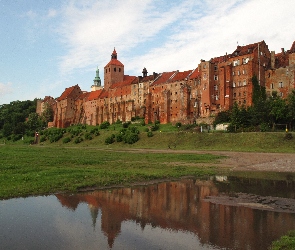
36	170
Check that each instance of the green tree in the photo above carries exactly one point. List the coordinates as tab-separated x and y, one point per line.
47	114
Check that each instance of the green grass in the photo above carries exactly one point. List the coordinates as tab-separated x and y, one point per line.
33	170
55	167
168	136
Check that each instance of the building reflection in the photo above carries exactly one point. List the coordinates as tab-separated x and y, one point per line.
181	206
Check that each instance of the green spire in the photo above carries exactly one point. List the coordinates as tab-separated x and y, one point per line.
97	81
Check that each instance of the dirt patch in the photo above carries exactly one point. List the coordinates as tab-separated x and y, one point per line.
241	161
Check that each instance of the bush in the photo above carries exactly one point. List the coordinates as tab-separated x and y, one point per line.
16	137
109	140
288	136
94	130
126	124
146	130
119	137
43	138
78	140
150	134
155	127
66	140
88	136
285	242
142	122
104	125
178	124
131	138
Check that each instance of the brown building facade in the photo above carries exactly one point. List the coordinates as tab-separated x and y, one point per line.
171	97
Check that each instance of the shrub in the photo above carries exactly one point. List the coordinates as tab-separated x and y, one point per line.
146	130
288	136
131	138
142	122
88	136
43	138
150	134
16	137
78	140
104	125
119	137
126	124
155	127
134	130
109	140
94	130
66	140
178	124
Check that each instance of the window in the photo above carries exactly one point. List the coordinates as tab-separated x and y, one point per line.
281	94
280	84
115	69
119	69
244	83
234	95
272	86
233	73
236	62
215	87
243	72
245	60
215	77
215	67
238	72
234	84
205	76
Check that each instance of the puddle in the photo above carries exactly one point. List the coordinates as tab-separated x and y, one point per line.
218	213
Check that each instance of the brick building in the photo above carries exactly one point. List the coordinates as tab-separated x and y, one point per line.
171	97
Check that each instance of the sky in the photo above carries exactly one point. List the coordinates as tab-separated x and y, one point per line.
49	45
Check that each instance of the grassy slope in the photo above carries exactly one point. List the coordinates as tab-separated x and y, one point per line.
52	167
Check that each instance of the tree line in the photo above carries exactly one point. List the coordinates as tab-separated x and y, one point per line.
19	118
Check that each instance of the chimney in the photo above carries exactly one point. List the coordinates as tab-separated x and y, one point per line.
283	50
155	75
272	59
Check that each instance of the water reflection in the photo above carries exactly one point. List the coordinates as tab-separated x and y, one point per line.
189	214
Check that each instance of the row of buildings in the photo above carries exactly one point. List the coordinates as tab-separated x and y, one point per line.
175	96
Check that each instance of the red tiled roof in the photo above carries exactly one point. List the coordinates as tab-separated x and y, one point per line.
94	95
244	50
146	78
163	78
195	74
181	75
128	80
67	92
83	95
104	94
219	59
115	62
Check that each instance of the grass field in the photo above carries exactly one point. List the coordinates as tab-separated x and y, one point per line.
57	167
32	170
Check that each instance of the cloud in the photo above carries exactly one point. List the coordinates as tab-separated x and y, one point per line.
164	36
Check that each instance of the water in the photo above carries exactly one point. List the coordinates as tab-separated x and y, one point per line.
218	213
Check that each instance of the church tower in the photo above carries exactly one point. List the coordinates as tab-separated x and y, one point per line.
96	82
113	71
